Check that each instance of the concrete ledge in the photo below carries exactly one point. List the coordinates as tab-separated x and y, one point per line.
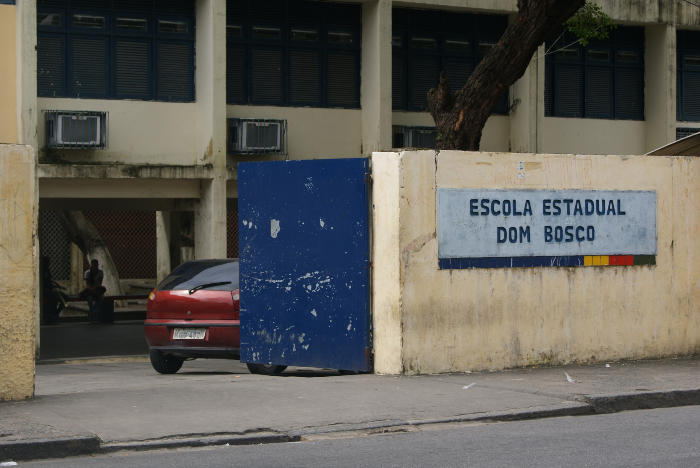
127	171
603	404
35	449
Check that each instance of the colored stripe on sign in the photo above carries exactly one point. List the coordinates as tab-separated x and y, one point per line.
529	262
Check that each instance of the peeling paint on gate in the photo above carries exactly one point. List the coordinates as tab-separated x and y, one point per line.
304	298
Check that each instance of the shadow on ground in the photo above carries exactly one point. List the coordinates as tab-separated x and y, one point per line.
81	340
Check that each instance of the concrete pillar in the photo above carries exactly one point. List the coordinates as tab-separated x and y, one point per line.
386	257
163	236
210	211
660	86
525	97
18	261
8	75
27	104
168	242
376	76
210	219
77	283
539	113
211	82
175	240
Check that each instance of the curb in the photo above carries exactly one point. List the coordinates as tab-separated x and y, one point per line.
587	405
535	412
603	404
249	439
49	448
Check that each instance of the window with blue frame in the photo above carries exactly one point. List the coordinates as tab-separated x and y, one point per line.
688	76
604	80
293	53
116	49
426	42
7	2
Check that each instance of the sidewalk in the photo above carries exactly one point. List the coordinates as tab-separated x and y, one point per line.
92	408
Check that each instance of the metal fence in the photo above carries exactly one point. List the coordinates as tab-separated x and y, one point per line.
683	132
232	234
55	245
131	239
257	136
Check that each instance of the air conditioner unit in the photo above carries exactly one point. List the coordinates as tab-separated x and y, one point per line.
76	129
257	136
408	136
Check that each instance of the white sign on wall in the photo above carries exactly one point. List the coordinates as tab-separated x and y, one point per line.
477	223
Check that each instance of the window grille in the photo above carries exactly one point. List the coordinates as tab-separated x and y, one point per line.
232	234
116	49
130	237
293	53
55	245
426	42
257	136
604	80
406	136
682	132
77	129
688	76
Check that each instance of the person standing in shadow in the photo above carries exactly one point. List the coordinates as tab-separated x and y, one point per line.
94	293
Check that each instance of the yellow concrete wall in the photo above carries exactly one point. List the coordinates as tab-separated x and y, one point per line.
8	75
457	320
18	214
140	132
593	136
312	133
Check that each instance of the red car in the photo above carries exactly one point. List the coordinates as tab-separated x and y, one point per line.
193	313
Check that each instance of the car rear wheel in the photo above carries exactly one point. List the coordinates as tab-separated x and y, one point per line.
253	368
165	364
265	369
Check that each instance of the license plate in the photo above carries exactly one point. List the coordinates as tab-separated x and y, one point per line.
189	333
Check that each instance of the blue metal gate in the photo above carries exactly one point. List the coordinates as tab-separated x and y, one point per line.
304	253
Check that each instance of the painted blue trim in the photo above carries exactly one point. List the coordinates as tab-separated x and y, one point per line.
7	2
509	262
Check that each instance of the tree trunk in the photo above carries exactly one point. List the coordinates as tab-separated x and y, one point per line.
82	233
460	119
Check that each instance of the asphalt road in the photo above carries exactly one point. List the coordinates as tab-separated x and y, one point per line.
651	438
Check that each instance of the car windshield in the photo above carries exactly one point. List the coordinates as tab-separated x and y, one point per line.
196	273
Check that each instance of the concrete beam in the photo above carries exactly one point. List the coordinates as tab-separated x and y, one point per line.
125	204
127	171
376	76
